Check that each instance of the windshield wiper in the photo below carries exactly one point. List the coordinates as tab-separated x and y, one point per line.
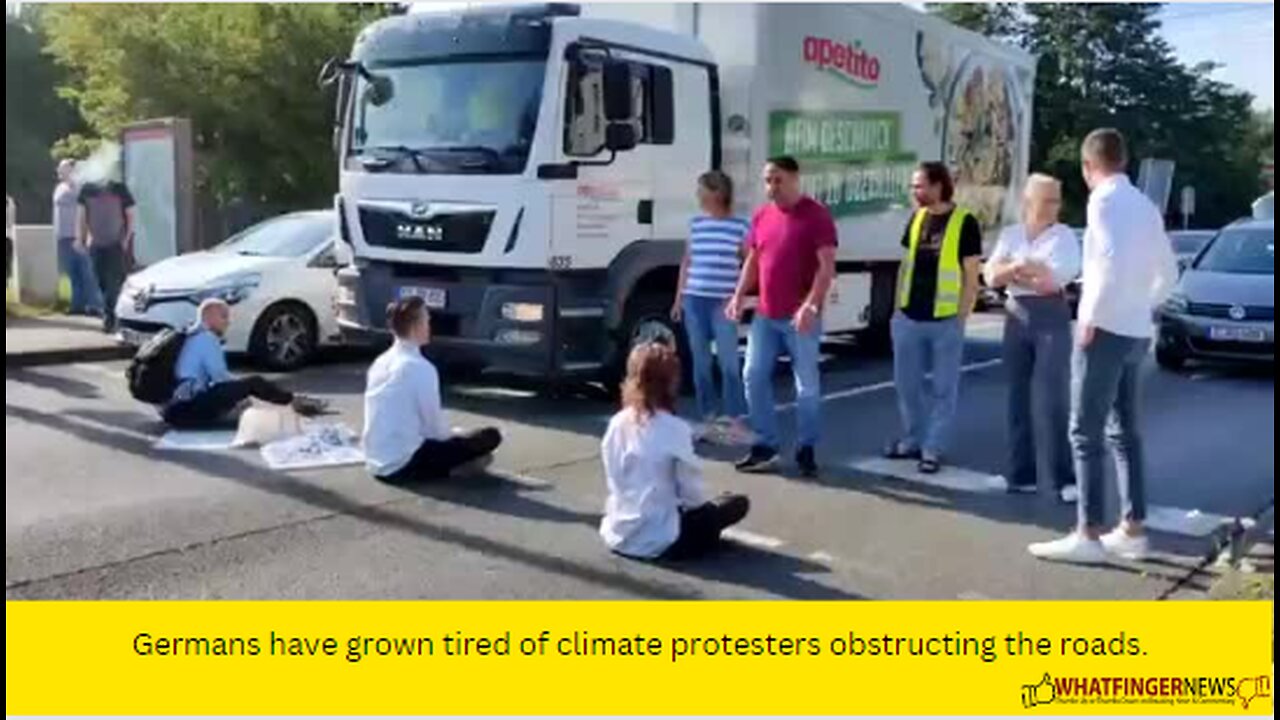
413	154
493	158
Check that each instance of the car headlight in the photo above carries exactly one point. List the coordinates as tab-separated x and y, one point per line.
232	291
1177	304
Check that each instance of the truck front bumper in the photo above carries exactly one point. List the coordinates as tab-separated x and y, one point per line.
521	323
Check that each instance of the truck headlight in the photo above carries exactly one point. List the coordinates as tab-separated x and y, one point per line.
523	312
232	291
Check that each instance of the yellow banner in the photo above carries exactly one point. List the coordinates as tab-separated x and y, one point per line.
639	658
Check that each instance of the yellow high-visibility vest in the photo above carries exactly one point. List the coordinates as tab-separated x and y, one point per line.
946	302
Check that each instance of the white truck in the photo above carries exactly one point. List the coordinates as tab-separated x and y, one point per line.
530	171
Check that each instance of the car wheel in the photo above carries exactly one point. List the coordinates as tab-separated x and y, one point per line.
1170	359
285	337
648	319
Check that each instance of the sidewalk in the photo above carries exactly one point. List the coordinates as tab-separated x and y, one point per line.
35	340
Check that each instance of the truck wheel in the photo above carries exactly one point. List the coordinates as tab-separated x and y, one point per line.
876	340
648	319
285	337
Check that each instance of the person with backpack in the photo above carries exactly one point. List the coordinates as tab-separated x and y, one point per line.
204	393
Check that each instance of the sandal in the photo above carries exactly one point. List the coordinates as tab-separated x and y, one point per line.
901	451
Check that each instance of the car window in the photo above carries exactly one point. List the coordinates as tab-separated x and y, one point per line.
1243	251
290	236
1190	243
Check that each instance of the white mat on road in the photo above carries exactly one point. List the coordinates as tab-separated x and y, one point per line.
196	440
322	446
1171	520
951	478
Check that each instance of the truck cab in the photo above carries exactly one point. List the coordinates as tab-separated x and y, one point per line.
510	166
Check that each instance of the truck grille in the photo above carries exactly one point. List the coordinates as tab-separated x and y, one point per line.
457	232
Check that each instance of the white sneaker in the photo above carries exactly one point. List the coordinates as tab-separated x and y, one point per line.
1130	547
1074	548
1070	494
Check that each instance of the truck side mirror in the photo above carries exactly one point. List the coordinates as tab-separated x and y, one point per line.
380	90
617	91
620	137
662	124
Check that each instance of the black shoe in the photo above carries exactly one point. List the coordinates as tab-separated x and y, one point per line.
807	462
310	407
731	509
901	451
762	459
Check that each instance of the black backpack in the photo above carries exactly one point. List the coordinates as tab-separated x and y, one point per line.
153	374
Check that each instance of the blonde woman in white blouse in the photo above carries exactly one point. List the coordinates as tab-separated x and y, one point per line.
1035	260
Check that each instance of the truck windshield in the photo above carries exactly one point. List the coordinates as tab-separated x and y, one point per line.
449	118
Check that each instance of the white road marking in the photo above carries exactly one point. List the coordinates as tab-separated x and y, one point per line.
1179	521
951	478
823	557
888	385
526	481
744	537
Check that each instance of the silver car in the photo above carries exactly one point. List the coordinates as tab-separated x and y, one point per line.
1224	306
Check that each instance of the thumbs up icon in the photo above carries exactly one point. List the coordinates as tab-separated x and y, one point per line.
1042	693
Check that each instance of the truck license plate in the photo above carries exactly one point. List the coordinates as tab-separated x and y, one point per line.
1235	334
435	298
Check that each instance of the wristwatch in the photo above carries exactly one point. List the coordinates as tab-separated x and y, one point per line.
811	309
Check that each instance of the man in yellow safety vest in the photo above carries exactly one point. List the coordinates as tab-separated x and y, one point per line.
937	289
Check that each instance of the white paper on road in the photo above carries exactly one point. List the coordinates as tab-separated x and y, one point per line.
196	440
1178	521
320	446
950	478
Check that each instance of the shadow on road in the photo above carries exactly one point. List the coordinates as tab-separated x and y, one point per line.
69	387
769	572
253	476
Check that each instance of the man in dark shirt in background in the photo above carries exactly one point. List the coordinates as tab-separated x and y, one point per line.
936	294
106	231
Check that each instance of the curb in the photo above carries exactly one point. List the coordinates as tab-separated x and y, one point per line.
45	358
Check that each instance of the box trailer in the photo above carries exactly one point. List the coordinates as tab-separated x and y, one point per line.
530	171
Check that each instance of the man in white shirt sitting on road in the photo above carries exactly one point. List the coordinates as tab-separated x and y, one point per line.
1129	270
406	438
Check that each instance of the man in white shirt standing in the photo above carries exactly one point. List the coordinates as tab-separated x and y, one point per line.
406	438
1129	269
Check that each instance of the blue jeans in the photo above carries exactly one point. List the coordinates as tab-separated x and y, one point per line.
769	338
705	324
926	371
1037	356
78	269
1104	412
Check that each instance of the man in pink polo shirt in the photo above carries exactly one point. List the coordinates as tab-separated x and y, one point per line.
792	262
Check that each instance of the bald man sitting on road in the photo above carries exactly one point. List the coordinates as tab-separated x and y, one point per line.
207	396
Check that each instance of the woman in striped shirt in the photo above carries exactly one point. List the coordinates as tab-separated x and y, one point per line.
708	278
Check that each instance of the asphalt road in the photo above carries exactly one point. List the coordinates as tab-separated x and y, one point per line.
93	511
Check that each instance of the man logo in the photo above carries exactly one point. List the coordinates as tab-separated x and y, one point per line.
420	210
420	233
1238	313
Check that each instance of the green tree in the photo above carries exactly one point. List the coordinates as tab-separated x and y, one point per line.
244	74
35	117
1000	20
1108	66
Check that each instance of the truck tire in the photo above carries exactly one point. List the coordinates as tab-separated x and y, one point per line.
647	318
876	340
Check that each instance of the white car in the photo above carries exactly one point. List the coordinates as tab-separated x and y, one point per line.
278	277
